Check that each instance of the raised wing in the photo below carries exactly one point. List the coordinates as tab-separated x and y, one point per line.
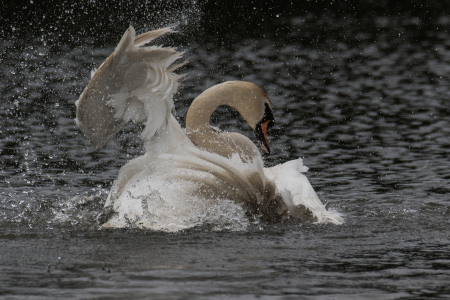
134	83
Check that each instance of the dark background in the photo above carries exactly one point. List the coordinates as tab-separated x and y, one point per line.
217	21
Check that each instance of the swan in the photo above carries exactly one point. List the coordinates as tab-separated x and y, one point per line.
184	173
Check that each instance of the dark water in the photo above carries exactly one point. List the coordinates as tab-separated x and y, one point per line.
363	99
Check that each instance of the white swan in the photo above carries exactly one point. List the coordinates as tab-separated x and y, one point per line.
184	173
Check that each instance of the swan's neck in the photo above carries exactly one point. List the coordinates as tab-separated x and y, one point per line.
205	137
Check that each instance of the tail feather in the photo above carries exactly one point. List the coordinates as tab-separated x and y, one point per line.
330	216
298	194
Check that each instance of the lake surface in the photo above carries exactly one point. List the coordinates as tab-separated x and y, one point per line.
364	100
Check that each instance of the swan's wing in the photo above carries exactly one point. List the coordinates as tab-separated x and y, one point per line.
134	83
296	191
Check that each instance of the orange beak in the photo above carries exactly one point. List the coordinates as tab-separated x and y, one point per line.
263	127
265	146
263	138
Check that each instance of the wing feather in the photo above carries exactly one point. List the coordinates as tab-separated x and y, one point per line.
133	84
147	37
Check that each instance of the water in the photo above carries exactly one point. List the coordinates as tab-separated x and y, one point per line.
362	98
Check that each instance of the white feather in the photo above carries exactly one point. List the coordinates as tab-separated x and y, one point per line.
297	192
133	84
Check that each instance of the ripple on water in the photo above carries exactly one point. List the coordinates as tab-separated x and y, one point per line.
364	102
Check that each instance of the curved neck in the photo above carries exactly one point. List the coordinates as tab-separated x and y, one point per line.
201	133
200	112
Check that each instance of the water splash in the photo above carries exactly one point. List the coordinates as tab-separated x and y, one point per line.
70	22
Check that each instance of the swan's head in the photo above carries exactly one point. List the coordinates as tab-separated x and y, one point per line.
255	107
